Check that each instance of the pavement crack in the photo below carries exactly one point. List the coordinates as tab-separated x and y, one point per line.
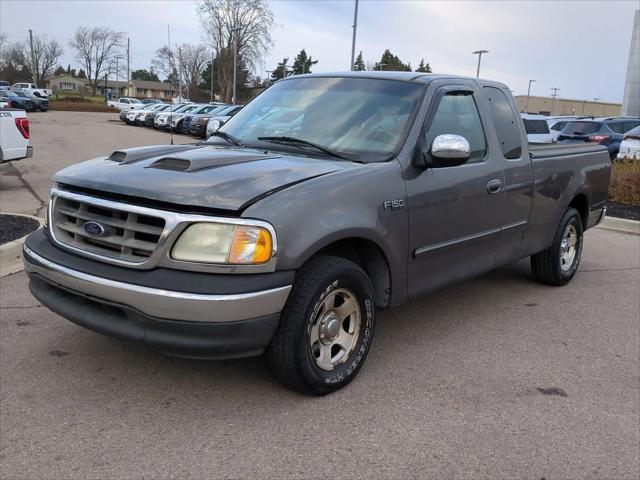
20	308
26	184
611	269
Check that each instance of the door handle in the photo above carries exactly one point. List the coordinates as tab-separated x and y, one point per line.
494	186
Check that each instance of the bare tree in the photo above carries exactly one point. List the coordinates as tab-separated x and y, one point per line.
250	20
164	62
193	61
96	48
46	54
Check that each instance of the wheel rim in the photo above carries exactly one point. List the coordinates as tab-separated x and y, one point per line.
568	247
335	329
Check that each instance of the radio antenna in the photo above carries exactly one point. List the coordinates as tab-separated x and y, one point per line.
170	84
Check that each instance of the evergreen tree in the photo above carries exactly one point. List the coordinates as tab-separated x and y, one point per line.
358	65
60	71
280	70
81	73
424	68
143	74
302	63
391	62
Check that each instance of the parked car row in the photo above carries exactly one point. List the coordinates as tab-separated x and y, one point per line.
199	119
24	100
610	132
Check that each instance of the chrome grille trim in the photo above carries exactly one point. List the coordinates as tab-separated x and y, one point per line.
174	224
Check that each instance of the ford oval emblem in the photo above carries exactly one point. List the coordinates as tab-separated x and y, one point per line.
94	228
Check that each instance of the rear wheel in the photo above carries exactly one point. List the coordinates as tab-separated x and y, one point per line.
325	329
558	264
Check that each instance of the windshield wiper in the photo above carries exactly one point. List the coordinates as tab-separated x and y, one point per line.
228	137
302	143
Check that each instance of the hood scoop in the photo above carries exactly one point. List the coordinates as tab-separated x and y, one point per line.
206	159
131	155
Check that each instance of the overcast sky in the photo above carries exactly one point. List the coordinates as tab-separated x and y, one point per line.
580	47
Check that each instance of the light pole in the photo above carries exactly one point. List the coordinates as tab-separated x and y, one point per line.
526	107
595	100
479	53
235	63
353	41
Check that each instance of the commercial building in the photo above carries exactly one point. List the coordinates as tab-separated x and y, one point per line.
567	106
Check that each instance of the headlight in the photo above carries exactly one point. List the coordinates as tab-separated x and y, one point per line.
224	244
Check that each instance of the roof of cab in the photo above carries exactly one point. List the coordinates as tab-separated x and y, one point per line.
416	77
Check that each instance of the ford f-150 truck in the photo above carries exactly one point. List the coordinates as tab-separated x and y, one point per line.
286	237
14	135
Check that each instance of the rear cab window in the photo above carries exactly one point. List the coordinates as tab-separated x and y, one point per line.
505	121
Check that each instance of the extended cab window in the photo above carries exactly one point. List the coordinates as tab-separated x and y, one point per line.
506	123
457	114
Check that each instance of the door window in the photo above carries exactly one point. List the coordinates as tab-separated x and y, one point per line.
457	114
506	123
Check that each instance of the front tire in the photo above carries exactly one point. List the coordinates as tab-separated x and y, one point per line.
558	264
325	329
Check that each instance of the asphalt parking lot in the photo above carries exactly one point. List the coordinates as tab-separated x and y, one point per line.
498	377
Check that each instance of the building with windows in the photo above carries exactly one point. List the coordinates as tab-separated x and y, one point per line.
136	88
566	106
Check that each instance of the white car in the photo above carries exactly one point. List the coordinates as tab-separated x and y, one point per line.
139	114
125	103
32	88
14	135
537	128
163	120
630	146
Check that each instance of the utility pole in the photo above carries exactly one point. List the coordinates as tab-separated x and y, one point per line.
526	107
235	64
105	87
118	77
553	97
353	40
128	80
34	67
479	53
213	52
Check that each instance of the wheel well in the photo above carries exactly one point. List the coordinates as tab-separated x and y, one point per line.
581	204
371	259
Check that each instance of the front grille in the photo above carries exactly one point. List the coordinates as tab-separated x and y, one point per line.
126	236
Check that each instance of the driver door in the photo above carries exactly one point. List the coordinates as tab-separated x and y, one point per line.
454	212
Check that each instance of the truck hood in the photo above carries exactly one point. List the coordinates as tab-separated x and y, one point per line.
197	176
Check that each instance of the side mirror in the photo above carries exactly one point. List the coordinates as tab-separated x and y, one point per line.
449	151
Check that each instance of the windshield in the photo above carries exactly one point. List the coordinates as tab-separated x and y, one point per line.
359	118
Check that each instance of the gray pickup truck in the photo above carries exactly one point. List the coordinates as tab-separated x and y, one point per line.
327	198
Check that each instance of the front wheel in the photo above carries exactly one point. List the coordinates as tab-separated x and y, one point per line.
326	327
558	264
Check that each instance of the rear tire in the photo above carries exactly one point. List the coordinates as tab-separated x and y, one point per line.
558	264
325	329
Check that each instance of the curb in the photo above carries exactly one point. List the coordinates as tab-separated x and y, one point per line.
11	252
620	225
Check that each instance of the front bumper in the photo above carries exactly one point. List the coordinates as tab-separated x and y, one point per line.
212	319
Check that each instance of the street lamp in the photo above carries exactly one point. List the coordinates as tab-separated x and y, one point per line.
479	53
235	63
526	107
353	40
